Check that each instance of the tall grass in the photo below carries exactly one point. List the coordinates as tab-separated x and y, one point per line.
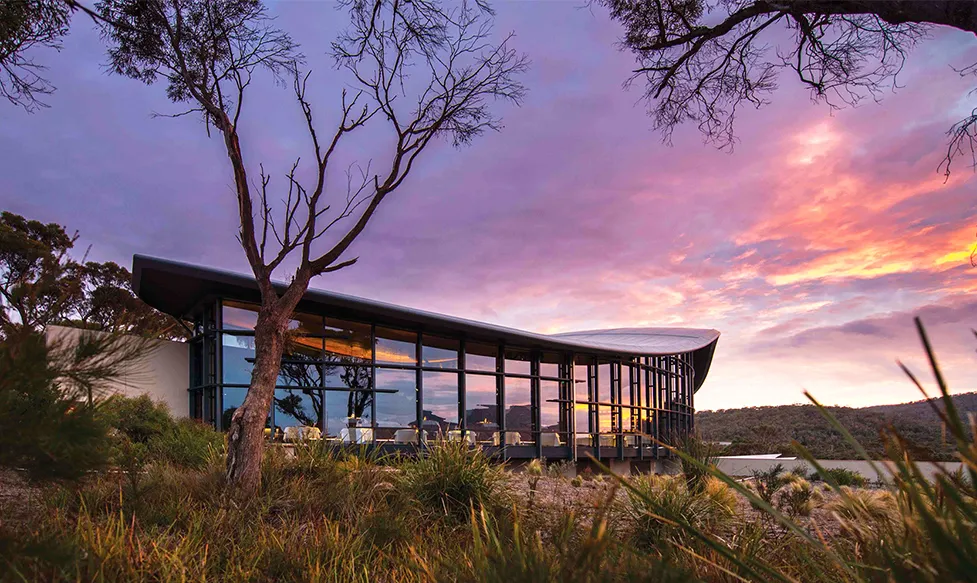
334	515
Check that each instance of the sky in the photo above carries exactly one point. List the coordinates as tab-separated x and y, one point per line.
810	247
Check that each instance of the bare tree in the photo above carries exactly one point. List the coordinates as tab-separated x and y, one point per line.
425	70
843	50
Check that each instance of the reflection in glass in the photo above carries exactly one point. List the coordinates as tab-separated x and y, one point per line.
395	410
347	341
480	357
298	407
440	402
549	364
581	408
396	346
441	353
482	414
239	315
518	410
301	362
234	398
238	358
549	407
517	362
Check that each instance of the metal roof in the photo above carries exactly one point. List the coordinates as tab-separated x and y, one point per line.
177	288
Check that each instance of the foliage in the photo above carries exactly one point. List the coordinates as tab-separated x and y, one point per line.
41	284
26	25
452	478
758	430
706	455
45	427
768	482
146	432
841	477
703	61
655	505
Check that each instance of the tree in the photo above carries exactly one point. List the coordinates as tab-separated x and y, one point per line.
41	284
424	70
24	25
843	50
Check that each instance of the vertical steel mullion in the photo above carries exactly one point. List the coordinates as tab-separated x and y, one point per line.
462	393
419	390
217	350
593	414
571	374
373	383
535	390
500	394
322	376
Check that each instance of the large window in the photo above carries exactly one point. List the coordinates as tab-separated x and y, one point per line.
397	409
581	409
518	410
441	353
549	408
482	414
440	402
604	411
396	347
481	357
238	358
298	408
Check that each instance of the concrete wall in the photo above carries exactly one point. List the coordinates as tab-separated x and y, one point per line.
163	374
744	467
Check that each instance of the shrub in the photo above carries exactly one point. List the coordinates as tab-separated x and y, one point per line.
704	455
45	427
187	443
139	419
577	481
452	478
844	477
768	482
798	497
656	507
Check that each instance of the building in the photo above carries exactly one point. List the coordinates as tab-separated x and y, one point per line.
366	371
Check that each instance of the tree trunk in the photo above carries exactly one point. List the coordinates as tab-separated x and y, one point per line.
245	437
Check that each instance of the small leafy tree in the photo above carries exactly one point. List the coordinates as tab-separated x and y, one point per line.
49	425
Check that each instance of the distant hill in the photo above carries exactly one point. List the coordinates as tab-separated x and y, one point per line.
755	430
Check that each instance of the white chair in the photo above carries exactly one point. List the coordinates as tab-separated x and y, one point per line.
409	436
511	438
455	435
550	440
295	433
356	435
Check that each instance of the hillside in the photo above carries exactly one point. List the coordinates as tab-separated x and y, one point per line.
756	430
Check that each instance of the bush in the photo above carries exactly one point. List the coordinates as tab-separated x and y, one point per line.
45	427
452	479
844	477
187	443
657	506
139	419
145	432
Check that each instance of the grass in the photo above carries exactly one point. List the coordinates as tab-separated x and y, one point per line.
454	515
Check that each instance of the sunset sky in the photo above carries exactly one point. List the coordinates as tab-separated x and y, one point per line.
810	247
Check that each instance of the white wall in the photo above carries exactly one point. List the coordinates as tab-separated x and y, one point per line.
741	467
163	374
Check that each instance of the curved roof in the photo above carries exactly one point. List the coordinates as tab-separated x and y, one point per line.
177	288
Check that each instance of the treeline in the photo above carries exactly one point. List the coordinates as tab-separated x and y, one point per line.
758	430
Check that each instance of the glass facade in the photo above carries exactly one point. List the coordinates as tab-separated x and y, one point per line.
370	382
